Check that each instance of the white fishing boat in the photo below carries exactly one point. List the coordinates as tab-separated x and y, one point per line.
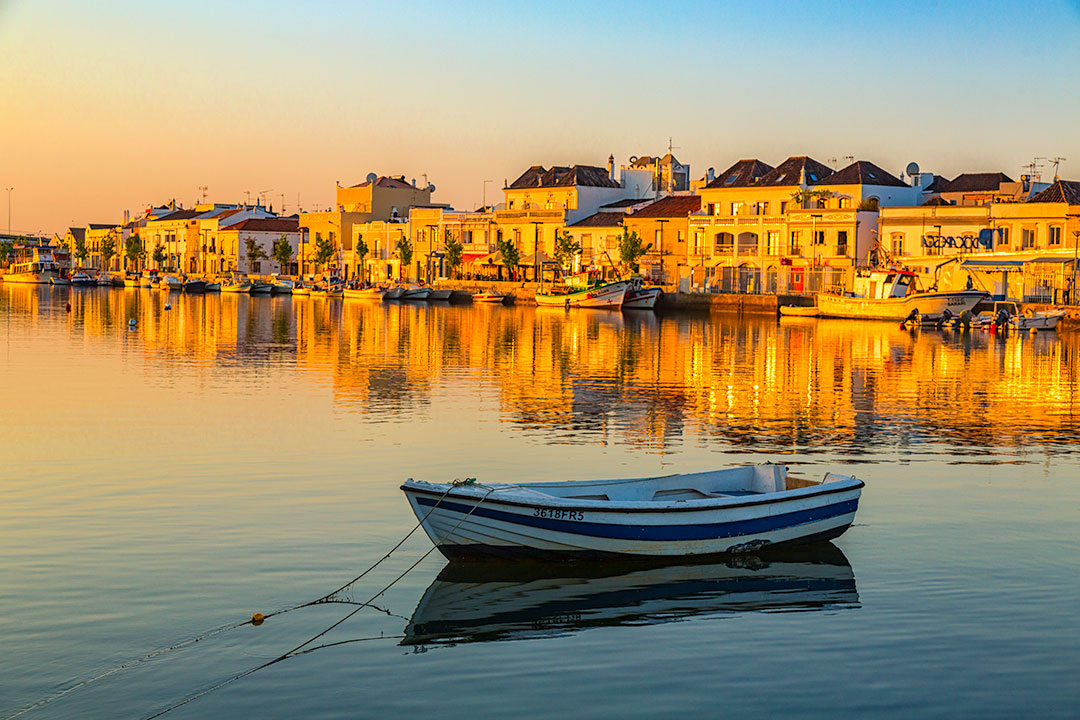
301	289
482	602
491	296
260	288
104	280
442	294
171	283
33	265
81	278
281	286
736	510
1037	320
413	292
610	295
60	280
394	293
639	297
893	295
213	286
371	293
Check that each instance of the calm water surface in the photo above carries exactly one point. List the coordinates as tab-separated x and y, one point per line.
238	454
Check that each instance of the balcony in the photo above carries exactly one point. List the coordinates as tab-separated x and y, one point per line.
529	215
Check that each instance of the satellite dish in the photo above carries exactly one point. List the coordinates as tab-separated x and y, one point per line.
912	168
431	187
633	159
372	177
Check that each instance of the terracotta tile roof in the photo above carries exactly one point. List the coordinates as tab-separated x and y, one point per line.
863	172
672	206
1066	191
972	182
794	170
601	219
562	176
741	174
282	225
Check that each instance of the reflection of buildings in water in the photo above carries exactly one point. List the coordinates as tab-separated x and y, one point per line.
477	602
640	379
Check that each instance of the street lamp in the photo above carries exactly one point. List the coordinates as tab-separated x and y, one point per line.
9	209
660	248
536	250
483	203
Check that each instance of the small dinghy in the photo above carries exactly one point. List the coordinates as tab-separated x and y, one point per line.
738	510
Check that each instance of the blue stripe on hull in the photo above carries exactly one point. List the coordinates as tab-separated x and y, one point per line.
667	533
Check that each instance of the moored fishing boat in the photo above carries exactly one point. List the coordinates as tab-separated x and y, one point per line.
609	295
213	286
81	278
194	286
413	292
639	297
238	285
440	294
371	293
736	510
260	288
32	265
171	282
281	286
892	295
799	310
60	280
104	280
394	293
491	296
301	289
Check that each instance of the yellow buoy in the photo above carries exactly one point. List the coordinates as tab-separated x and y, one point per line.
257	618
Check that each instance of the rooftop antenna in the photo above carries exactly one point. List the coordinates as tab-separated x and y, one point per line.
203	189
671	175
247	198
849	159
1035	169
262	196
1055	161
832	161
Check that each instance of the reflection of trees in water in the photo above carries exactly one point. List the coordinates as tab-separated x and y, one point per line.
647	380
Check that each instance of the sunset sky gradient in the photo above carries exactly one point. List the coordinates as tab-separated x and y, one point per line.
119	104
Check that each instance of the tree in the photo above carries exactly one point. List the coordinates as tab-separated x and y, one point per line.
80	251
631	249
803	198
510	255
133	251
404	251
6	247
566	249
254	251
282	252
158	256
108	250
454	251
362	251
324	250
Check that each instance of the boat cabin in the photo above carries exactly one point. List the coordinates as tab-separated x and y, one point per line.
885	284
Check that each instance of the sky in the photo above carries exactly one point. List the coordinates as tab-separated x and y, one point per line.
114	105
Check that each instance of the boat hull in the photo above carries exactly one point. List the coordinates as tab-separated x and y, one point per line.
467	524
642	298
605	296
1047	320
929	305
364	294
416	294
443	294
32	278
260	289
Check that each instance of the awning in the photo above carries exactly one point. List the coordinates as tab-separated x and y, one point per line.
472	257
994	265
539	258
1044	260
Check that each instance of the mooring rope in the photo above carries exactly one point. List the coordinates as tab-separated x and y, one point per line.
232	626
299	649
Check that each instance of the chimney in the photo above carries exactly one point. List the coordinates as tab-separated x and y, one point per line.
710	175
611	167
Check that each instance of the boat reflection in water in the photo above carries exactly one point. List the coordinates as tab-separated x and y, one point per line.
485	601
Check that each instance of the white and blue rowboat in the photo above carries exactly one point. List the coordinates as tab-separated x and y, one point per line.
738	510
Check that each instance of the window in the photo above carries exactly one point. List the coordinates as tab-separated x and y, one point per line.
511	205
699	242
712	208
772	242
783	207
841	242
724	243
897	244
819	237
256	266
658	237
1003	237
679	237
586	241
1055	234
796	242
737	208
844	203
1027	238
